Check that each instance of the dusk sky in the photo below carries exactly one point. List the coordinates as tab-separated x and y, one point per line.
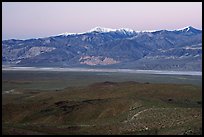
41	19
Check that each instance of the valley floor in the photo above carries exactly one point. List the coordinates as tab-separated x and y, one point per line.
107	107
198	73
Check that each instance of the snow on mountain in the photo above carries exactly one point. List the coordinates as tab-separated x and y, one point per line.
101	30
119	48
123	30
187	29
68	34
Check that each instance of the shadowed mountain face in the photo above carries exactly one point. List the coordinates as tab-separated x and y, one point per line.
107	48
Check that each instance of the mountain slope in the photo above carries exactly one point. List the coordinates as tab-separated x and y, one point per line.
110	48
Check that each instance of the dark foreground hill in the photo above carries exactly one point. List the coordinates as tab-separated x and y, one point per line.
105	108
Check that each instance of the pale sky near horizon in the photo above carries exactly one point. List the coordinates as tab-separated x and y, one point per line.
23	20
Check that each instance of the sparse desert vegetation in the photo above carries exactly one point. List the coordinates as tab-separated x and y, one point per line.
141	108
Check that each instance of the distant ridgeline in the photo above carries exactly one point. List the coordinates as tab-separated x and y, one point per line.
110	48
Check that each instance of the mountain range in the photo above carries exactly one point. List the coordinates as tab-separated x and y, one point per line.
99	47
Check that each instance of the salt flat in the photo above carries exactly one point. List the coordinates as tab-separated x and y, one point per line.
198	73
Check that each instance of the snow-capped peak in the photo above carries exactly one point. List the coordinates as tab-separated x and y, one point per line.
67	33
104	30
186	29
101	29
96	29
127	30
